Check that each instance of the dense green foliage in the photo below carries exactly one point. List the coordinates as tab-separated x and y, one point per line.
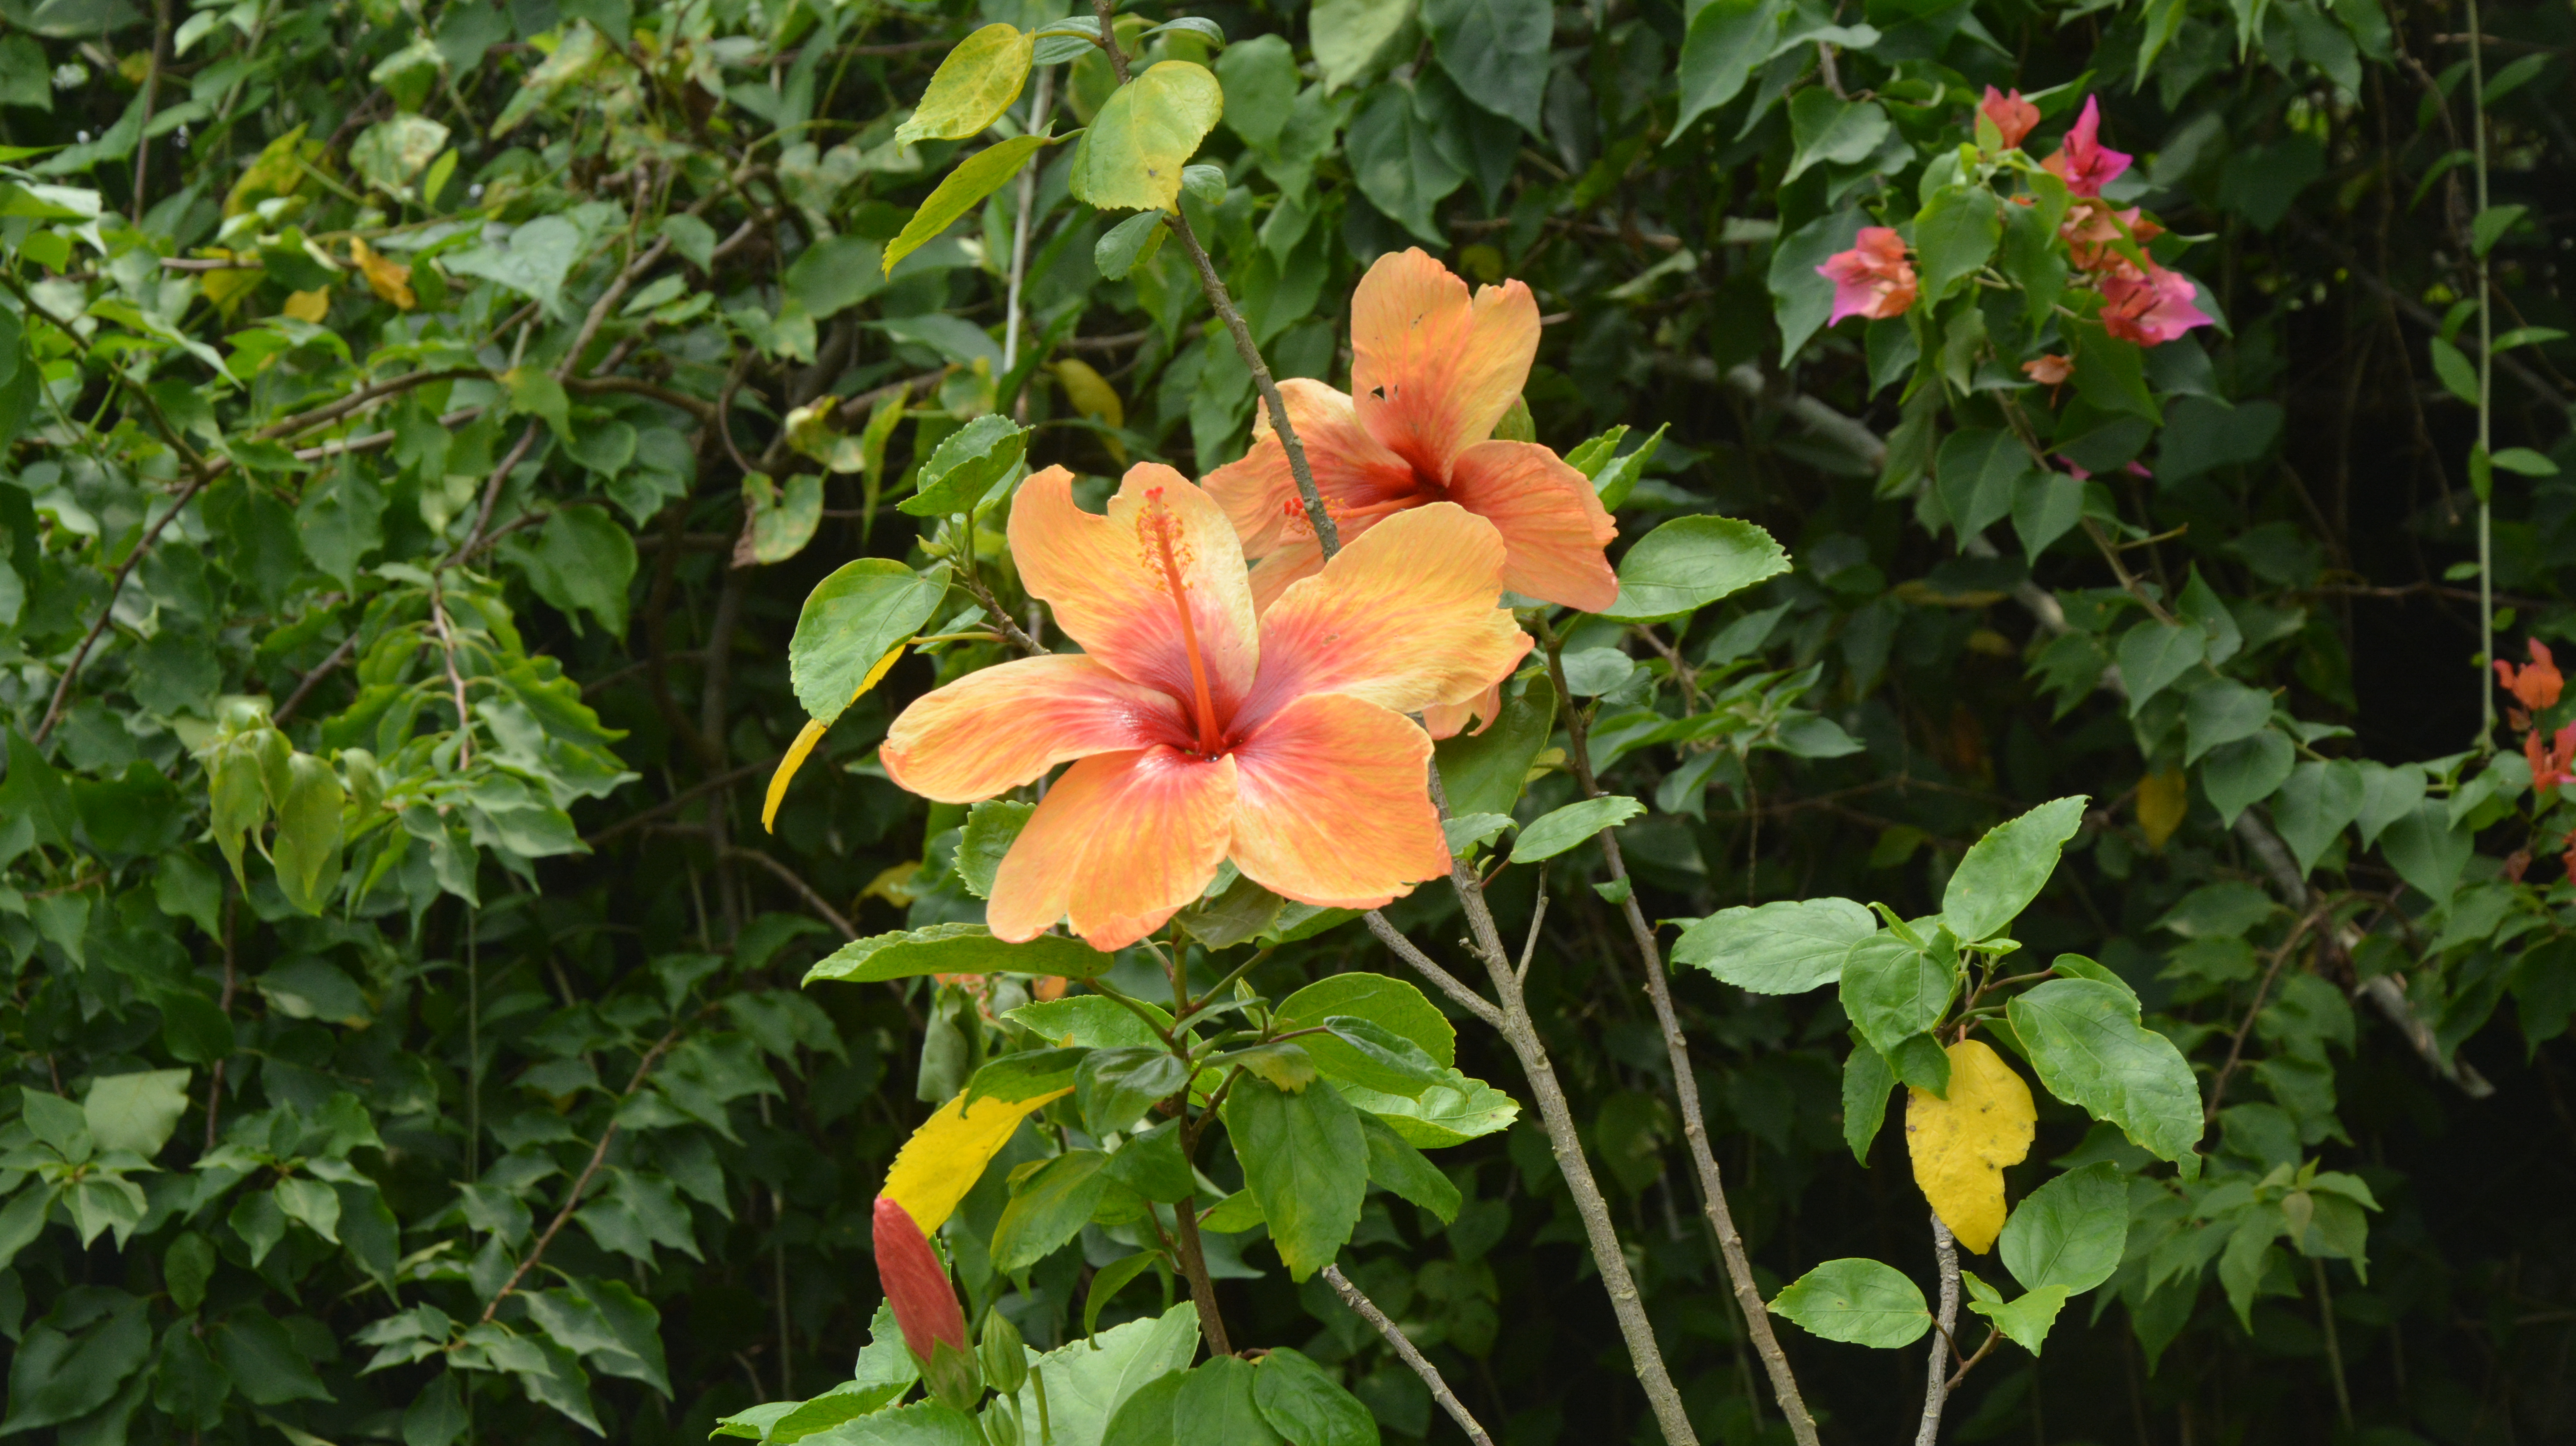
427	424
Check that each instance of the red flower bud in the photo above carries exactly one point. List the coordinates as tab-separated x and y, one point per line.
916	1284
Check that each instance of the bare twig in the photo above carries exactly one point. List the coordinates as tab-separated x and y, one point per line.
115	586
1936	1386
492	493
598	1157
1406	1352
455	680
1721	1218
795	881
339	657
1450	984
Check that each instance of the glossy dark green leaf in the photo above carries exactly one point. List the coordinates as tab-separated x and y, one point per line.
1305	1159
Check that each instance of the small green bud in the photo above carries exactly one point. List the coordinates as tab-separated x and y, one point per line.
1006	1357
951	1375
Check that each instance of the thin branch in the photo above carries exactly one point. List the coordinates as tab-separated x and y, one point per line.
1936	1387
339	658
1450	984
115	587
598	1157
795	881
1407	1352
1712	1183
680	800
455	680
492	493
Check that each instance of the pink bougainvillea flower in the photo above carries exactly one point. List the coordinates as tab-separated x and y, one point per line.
2012	115
1873	279
2049	371
1200	734
2535	684
1433	370
2550	762
2083	162
2150	309
2092	225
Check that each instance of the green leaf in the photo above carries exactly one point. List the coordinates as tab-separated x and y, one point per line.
1867	1083
1485	772
1090	1382
967	465
2071	1231
1690	562
1215	1404
390	153
533	262
1979	470
961	191
1454	1112
1829	129
1787	947
1129	244
1131	157
2003	871
262	1360
991	828
1954	235
2153	654
2085	1040
2427	849
1353	37
2452	365
955	949
1726	40
1026	1074
1394	1163
1391	1004
1893	990
1305	1160
1373	1057
1403	159
2046	506
1473	830
2025	1321
972	87
582	561
1115	1087
2524	462
1307	1406
850	621
1561	829
2111	373
1497	52
135	1112
1861	1302
2238	775
1049	1208
2490	225
306	847
2222	712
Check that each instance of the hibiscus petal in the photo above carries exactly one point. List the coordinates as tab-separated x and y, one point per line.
1104	577
1404	617
1448	720
1331	807
1298	557
1553	526
1432	371
1120	843
1005	726
1351	469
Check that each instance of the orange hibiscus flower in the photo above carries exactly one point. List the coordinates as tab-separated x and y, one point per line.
1432	372
1198	734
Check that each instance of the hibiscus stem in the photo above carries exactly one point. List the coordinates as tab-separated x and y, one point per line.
1565	1140
1712	1183
1327	535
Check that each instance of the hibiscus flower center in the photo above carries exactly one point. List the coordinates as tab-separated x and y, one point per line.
1165	549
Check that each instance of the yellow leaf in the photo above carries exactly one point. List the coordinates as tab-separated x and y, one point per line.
309	306
386	277
1092	396
947	1155
227	286
974	85
1962	1144
1132	156
2163	798
807	737
278	170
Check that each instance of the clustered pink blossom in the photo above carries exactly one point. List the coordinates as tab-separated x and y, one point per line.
2083	162
1873	279
2013	116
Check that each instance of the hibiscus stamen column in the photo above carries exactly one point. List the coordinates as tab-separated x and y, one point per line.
1158	527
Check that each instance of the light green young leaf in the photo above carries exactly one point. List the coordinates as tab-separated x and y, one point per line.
135	1112
1561	829
963	189
1690	562
1131	157
972	87
955	949
2003	871
2024	1321
1785	947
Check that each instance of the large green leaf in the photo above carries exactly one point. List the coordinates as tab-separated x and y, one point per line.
1450	1113
2071	1231
2084	1038
1862	1302
2007	868
956	949
1786	947
1391	1004
1827	128
1954	236
1305	1160
1485	772
1893	990
1726	40
1048	1208
136	1112
850	621
1496	50
1089	1380
1307	1406
1690	562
